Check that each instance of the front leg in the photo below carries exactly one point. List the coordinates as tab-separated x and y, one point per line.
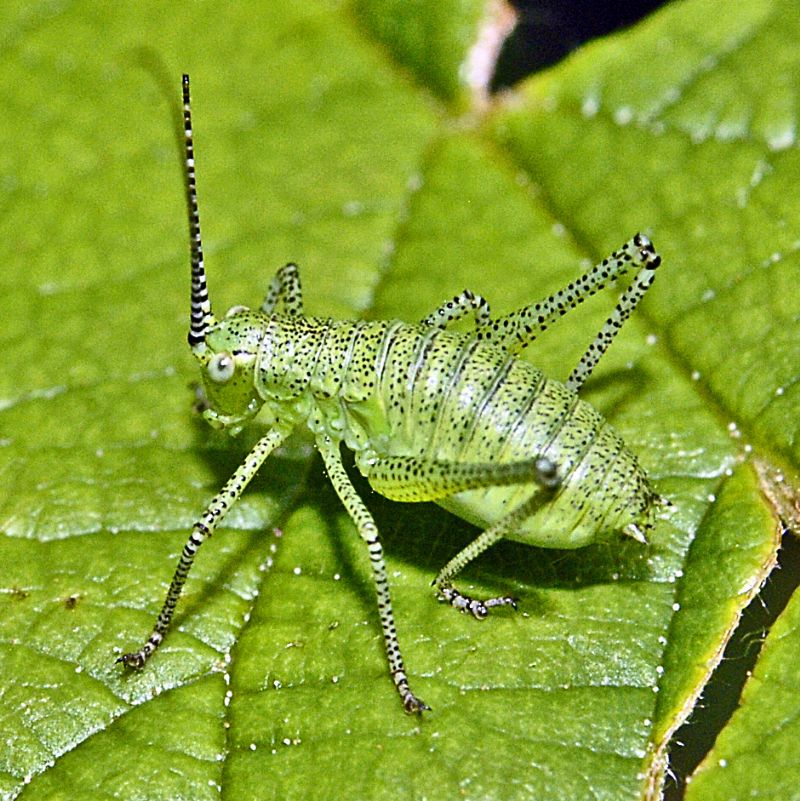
201	531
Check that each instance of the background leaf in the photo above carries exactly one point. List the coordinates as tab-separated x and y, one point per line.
334	135
758	749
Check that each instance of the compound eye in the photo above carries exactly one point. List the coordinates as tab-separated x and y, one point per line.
221	368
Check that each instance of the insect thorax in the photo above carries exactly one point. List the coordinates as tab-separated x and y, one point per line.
295	369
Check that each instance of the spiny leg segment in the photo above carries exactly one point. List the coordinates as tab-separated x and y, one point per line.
457	308
409	479
629	300
369	533
405	478
285	288
518	329
201	531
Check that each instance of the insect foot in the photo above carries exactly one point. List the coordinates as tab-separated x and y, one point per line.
477	607
411	704
136	659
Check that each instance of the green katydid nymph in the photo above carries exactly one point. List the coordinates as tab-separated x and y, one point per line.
430	413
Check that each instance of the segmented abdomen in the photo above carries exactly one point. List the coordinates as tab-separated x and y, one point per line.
450	397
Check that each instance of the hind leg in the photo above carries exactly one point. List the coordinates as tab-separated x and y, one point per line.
410	479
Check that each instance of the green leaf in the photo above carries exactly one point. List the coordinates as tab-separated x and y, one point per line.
333	135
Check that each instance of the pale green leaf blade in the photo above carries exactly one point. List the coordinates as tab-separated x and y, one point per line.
314	146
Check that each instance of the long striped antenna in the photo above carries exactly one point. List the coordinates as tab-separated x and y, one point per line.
201	316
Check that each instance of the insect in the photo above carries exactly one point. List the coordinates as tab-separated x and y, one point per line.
431	415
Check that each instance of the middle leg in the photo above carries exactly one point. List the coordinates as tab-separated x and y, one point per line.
365	524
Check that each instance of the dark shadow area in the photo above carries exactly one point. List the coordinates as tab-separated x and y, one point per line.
611	391
721	696
549	30
427	536
152	62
